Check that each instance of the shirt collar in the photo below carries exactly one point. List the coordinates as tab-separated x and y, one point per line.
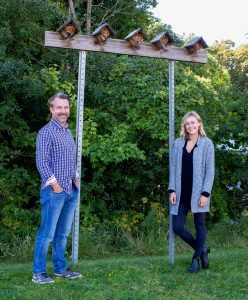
58	125
196	144
183	142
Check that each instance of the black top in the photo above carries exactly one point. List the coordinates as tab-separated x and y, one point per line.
187	174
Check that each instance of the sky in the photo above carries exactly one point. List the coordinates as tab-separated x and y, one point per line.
211	19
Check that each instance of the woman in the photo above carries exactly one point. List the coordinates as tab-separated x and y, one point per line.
191	180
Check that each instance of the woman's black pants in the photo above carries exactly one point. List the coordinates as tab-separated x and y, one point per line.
198	242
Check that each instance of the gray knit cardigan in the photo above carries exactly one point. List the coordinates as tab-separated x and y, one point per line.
203	172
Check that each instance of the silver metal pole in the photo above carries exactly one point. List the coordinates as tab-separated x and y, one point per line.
171	139
79	139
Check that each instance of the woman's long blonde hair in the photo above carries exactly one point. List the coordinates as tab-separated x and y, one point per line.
183	132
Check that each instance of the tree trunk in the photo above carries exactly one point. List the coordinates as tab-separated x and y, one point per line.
88	22
71	9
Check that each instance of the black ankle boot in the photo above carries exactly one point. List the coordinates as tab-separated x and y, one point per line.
204	257
195	265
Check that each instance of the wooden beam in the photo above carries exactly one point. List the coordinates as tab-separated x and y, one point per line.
87	43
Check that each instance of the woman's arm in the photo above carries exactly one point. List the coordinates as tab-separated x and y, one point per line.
209	169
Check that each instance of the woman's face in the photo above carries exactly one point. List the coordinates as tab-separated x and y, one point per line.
192	126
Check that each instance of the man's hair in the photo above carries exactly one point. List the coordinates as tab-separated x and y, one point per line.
59	95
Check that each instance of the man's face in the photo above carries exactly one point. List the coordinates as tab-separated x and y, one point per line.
60	110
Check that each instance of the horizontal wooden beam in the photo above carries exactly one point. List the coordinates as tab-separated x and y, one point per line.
87	43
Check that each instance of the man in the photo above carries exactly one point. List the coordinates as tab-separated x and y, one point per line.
56	163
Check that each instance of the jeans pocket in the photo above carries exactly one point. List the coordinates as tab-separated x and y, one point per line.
75	193
56	192
44	195
56	198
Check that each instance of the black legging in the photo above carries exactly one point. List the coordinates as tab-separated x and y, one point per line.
199	219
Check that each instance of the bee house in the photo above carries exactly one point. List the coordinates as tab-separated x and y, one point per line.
68	29
162	40
103	32
196	44
136	37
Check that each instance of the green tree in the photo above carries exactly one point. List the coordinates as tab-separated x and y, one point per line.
125	149
23	106
132	93
232	131
236	62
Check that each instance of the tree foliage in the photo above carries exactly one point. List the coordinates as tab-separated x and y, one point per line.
236	62
125	145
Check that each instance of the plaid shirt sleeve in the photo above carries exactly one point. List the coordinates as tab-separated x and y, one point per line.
43	146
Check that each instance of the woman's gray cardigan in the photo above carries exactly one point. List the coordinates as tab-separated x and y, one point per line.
203	172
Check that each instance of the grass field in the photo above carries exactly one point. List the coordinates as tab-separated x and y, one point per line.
136	278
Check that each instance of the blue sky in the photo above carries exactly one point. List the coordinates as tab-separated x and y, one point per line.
212	19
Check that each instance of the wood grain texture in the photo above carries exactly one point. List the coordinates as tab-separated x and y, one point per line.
87	43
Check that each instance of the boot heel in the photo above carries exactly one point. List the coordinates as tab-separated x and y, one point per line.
195	265
204	258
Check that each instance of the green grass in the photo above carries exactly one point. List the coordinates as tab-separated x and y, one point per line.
136	278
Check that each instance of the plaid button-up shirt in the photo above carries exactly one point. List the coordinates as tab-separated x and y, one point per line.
56	156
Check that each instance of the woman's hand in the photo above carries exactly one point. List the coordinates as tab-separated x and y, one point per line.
203	201
173	198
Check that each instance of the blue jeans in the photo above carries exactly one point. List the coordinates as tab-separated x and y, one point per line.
198	242
57	212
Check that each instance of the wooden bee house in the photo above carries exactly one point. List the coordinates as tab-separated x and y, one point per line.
136	37
68	29
162	40
196	44
103	32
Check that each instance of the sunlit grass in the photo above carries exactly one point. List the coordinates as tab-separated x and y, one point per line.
136	278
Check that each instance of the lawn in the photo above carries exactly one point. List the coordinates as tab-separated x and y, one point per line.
136	278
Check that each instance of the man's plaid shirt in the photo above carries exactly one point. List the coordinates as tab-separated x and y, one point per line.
56	155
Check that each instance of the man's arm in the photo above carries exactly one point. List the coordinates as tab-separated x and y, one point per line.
43	148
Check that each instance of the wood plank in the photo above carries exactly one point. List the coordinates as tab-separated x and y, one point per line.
87	43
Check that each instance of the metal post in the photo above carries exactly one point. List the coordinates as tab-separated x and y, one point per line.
171	139
79	138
